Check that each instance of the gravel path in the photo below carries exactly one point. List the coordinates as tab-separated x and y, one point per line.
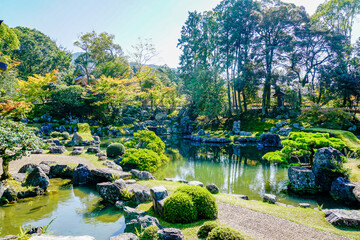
267	227
38	158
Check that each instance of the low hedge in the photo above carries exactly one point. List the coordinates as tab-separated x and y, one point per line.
224	233
115	150
180	208
206	228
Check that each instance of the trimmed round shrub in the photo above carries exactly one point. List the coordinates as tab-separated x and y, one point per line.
204	201
206	228
179	208
150	233
141	159
65	135
115	150
55	134
224	233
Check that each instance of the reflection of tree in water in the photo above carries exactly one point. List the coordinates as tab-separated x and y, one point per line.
92	210
235	169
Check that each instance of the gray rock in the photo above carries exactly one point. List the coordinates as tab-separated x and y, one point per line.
108	174
272	130
356	192
142	223
304	205
196	183
125	236
2	190
132	213
141	193
301	178
270	198
352	129
298	126
181	181
10	237
111	192
113	165
281	124
77	150
19	177
325	158
130	181
50	237
45	168
242	197
93	150
142	175
342	189
158	193
170	234
76	140
201	132
342	217
58	149
82	175
37	177
61	171
236	128
37	151
270	140
212	188
243	133
120	204
285	131
161	116
100	154
28	168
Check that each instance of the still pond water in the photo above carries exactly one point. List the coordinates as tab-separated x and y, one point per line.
76	210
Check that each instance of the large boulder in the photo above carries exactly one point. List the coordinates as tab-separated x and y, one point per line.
142	223
107	174
236	128
158	195
82	175
301	179
93	150
142	175
140	193
343	190
325	159
342	217
111	192
125	236
61	171
270	198
58	149
19	177
77	150
170	234
2	190
212	188
76	140
37	177
113	165
28	168
132	213
270	140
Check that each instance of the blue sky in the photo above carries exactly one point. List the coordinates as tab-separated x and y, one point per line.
65	20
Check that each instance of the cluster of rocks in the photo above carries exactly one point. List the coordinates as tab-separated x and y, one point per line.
197	138
321	175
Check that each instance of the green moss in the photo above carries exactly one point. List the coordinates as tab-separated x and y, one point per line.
115	150
84	131
225	233
180	208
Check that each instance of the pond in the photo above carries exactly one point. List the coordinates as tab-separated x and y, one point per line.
77	211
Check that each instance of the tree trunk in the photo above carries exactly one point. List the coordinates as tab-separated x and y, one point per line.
244	101
5	167
239	99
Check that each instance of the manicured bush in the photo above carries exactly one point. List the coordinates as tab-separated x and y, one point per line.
65	135
142	159
204	201
206	228
180	208
150	233
55	134
148	140
115	150
275	157
224	233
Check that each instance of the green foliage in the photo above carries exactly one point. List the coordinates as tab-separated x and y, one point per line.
275	157
126	195
55	134
65	135
148	140
115	150
206	228
303	145
15	140
84	131
180	208
142	159
225	233
150	233
205	202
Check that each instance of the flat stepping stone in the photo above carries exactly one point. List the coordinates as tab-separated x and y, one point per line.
342	217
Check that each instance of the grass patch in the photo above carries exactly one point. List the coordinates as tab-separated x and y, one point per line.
351	141
304	216
353	164
91	157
